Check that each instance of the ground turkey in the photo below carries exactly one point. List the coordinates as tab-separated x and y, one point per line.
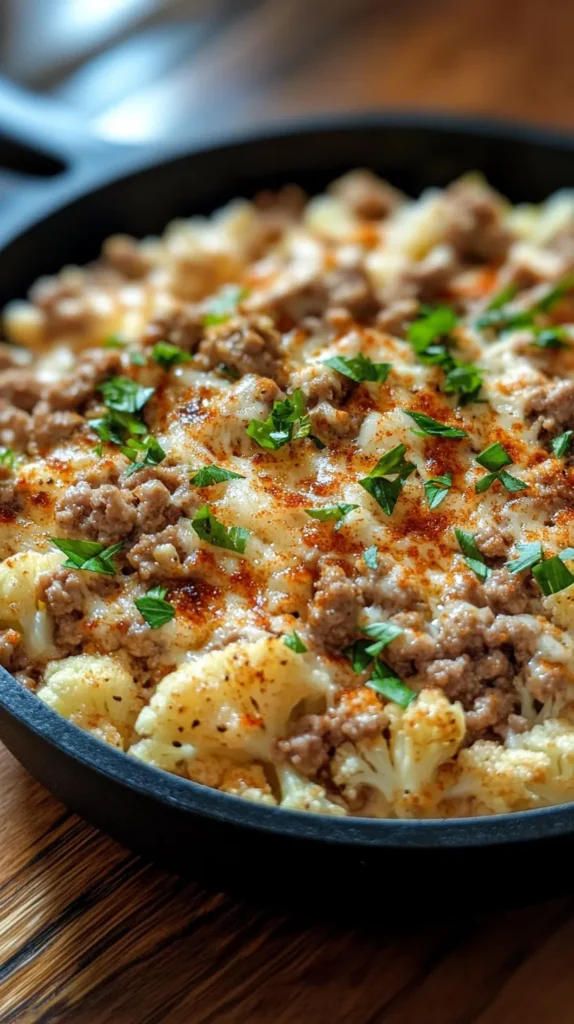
473	222
552	403
106	514
253	347
94	367
332	622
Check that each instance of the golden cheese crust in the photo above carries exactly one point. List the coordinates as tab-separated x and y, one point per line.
286	499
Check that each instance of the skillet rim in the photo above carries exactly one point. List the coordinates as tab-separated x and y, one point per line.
80	747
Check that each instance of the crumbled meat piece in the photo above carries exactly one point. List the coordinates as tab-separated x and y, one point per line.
183	328
49	428
141	641
389	587
332	621
15	425
395	317
350	289
64	594
508	593
105	514
357	716
64	306
473	222
425	280
94	367
155	508
20	387
297	300
553	403
367	196
464	586
462	629
319	383
331	424
183	498
520	631
290	200
9	640
276	211
126	255
247	348
490	711
493	540
160	555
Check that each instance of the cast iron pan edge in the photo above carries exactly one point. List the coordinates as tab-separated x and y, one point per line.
136	802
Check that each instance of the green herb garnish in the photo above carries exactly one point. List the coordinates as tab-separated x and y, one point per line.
554	295
122	394
466	378
360	368
222	306
287	422
387	683
561	445
494	458
167	355
295	642
7	458
154	608
357	654
371	557
137	358
552	575
142	453
208	475
434	324
208	528
429	426
551	337
437	488
114	341
88	555
331	512
385	491
383	633
472	556
528	556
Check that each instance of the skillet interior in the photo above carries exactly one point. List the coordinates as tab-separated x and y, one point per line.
147	809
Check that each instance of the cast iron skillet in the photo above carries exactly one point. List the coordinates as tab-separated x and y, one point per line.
176	821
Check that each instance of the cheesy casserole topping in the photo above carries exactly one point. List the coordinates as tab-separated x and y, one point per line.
286	499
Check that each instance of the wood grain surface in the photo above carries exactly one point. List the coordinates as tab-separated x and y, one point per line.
90	933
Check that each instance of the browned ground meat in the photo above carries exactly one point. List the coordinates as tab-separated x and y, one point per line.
389	587
162	495
143	559
321	384
94	366
494	541
20	387
490	712
332	621
366	195
474	222
426	280
15	426
126	256
64	594
183	328
397	315
298	301
105	514
155	508
506	592
553	403
49	428
350	289
313	737
254	347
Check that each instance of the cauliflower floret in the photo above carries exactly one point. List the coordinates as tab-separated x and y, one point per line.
497	779
423	736
368	763
18	606
298	794
234	702
248	781
555	739
95	692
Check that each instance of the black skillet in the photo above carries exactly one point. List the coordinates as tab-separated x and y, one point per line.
105	190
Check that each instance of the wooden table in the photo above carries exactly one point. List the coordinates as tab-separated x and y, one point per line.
92	934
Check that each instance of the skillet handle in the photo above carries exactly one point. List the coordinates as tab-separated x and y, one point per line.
55	135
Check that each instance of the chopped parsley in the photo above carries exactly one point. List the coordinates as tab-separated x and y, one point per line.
387	683
357	654
287	422
122	394
554	295
429	337
88	555
552	575
222	306
472	556
551	337
114	341
382	633
167	355
499	319
154	608
142	452
435	324
466	378
7	458
494	458
428	426
385	491
437	488
294	641
137	358
504	296
208	475
528	556
371	557
331	512
360	368
561	445
208	528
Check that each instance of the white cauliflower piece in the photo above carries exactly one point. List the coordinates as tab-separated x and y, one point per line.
298	794
424	736
553	738
368	763
18	606
95	692
496	779
234	702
